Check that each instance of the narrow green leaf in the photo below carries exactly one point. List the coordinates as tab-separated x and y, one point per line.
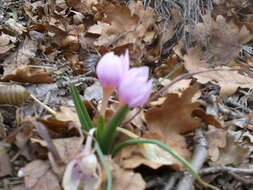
81	110
186	164
106	167
109	133
100	127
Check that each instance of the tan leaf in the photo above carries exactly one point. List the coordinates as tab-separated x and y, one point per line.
68	114
229	81
14	26
216	139
5	164
39	176
153	156
6	42
232	153
165	123
83	6
22	55
67	148
98	28
120	20
27	73
126	179
174	115
222	39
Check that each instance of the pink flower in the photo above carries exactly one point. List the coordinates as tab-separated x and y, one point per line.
111	68
135	88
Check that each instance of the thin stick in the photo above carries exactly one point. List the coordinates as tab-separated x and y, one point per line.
50	110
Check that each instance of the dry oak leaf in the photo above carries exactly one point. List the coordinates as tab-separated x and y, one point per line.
68	114
83	6
128	25
216	139
67	148
22	56
39	176
5	163
166	123
6	42
233	153
174	115
14	26
121	21
27	73
222	39
125	179
229	81
149	155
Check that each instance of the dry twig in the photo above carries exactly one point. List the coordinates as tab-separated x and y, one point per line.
199	157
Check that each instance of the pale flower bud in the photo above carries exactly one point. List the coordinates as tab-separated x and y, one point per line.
111	68
135	88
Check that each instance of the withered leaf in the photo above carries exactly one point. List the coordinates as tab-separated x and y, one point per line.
39	176
174	115
27	73
233	153
216	139
5	164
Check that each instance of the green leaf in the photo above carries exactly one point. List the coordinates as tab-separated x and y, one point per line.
109	133
81	110
100	127
106	167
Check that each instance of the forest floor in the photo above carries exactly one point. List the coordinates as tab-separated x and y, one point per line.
200	56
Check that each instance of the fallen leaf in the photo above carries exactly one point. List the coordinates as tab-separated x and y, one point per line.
229	81
94	92
39	176
126	179
68	114
22	139
121	20
175	114
83	6
67	148
216	139
222	39
27	73
232	153
207	118
5	164
14	26
166	123
6	43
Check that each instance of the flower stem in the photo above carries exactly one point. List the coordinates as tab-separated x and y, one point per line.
107	93
106	166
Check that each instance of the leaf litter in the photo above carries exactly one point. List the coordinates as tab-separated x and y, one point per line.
45	46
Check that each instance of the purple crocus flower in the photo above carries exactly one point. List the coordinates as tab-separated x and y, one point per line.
135	88
111	68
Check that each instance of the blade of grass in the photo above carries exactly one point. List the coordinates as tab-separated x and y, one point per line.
106	167
169	150
81	110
